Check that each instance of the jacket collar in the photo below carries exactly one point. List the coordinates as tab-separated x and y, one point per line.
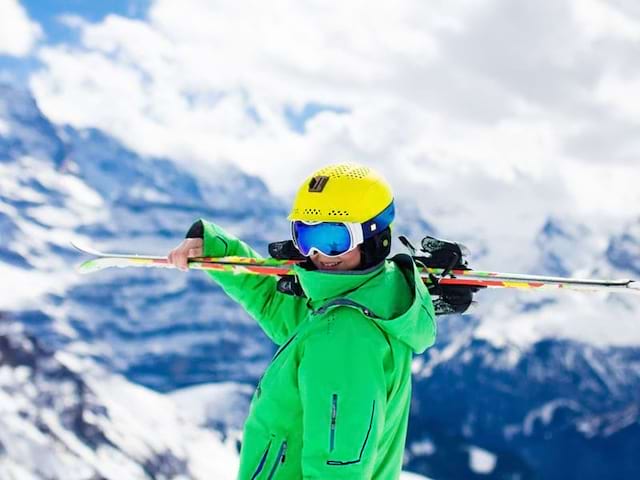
320	285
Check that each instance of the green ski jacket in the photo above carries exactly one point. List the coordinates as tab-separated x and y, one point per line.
334	402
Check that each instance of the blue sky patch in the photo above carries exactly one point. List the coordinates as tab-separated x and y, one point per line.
297	119
47	13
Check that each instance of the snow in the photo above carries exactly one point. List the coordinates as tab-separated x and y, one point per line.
15	471
56	203
423	447
28	179
26	286
481	461
5	129
140	425
544	414
224	403
439	356
60	216
11	187
573	315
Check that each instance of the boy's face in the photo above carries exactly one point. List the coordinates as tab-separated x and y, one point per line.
348	261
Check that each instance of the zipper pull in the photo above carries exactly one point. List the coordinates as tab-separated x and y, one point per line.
284	451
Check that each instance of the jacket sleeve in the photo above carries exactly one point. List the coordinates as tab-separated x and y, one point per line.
343	393
277	313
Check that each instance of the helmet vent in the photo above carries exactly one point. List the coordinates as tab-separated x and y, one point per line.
338	213
312	211
338	171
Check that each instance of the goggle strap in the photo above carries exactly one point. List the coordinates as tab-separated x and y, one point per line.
379	222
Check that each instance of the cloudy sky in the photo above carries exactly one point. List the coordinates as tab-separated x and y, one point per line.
487	116
518	107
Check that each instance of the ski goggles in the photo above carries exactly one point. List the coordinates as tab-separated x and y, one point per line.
333	239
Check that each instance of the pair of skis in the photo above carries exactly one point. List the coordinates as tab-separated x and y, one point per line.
443	276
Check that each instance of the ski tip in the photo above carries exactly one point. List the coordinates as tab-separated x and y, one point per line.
84	249
75	245
81	248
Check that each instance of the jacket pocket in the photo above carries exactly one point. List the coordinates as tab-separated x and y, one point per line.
279	460
364	442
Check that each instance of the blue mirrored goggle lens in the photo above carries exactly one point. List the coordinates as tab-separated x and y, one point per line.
329	238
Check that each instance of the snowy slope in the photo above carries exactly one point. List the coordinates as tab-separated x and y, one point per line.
65	417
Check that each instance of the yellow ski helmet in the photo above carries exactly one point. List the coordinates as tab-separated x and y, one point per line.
340	207
344	192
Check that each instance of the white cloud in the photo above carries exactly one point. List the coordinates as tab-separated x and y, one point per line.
18	33
482	104
599	18
622	93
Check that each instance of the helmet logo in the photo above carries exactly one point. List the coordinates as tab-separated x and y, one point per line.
317	184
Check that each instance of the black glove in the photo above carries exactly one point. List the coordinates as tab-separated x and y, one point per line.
447	256
196	230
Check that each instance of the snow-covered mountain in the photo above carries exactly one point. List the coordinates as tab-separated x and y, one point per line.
62	416
157	327
507	392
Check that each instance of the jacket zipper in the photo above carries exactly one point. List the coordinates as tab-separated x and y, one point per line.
279	460
283	347
334	413
261	464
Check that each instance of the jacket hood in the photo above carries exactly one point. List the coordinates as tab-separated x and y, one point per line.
388	294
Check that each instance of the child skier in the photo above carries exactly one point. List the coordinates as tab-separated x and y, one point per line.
334	402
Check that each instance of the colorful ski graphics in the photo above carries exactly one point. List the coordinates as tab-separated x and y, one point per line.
270	266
